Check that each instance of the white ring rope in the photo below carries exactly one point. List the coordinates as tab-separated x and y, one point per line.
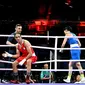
34	36
10	69
32	46
50	48
48	61
31	36
41	47
34	63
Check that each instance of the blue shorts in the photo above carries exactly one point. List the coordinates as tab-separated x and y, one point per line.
75	53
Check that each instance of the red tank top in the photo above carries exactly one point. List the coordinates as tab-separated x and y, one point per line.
23	49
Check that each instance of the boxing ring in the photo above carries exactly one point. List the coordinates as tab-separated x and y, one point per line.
55	60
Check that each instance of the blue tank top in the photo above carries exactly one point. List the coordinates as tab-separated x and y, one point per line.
72	40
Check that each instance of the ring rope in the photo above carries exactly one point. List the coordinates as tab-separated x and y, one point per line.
51	48
32	46
33	36
34	63
48	61
10	69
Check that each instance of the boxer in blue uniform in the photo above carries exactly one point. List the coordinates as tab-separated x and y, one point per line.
74	42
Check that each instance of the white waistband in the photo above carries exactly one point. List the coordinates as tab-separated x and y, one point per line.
33	54
74	45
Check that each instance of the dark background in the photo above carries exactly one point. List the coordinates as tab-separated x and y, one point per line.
29	9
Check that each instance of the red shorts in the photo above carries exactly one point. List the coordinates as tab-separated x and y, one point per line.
33	58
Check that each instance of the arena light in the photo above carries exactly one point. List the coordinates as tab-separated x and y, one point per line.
37	22
82	23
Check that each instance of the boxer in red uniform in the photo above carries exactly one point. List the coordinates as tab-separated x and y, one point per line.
27	58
